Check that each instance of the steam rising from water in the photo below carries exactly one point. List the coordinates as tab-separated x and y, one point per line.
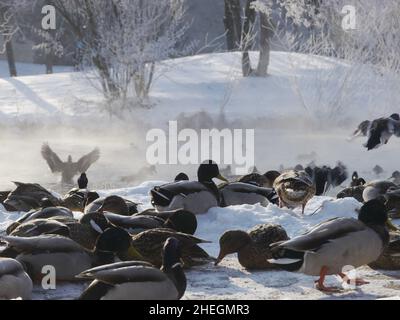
123	149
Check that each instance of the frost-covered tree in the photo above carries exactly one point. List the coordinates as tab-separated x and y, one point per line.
124	39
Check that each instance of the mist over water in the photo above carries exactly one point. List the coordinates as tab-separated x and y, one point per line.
123	151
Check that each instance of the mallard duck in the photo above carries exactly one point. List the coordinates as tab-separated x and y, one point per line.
381	130
44	213
68	169
178	220
67	256
149	245
396	177
77	199
194	196
265	180
136	280
85	231
352	192
376	189
28	196
83	181
392	197
333	244
237	193
114	204
294	188
14	281
252	247
356	180
390	258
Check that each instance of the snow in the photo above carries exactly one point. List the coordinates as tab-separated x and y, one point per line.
63	109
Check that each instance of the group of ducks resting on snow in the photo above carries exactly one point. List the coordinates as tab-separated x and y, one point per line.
128	254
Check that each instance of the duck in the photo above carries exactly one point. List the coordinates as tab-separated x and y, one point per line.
28	196
237	193
377	189
352	192
44	213
84	231
69	169
148	244
136	280
194	196
265	180
395	177
329	246
67	256
253	246
390	258
392	202
78	198
294	188
114	204
178	220
14	281
356	180
381	130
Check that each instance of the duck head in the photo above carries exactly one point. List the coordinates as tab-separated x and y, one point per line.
171	253
232	242
395	116
116	242
209	170
182	221
373	212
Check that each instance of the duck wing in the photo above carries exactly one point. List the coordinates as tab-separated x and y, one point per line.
163	195
321	234
49	243
86	161
52	159
124	271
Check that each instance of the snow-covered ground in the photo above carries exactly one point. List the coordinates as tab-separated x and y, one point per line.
288	110
231	281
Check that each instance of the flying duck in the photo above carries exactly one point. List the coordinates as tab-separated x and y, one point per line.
194	196
294	188
381	130
136	280
68	169
14	281
333	244
252	247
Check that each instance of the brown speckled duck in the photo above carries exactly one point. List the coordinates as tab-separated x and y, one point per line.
252	247
294	188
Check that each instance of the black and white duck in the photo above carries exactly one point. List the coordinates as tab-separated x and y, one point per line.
194	196
329	246
136	280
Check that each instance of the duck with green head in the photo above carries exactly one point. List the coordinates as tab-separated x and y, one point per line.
135	280
194	196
